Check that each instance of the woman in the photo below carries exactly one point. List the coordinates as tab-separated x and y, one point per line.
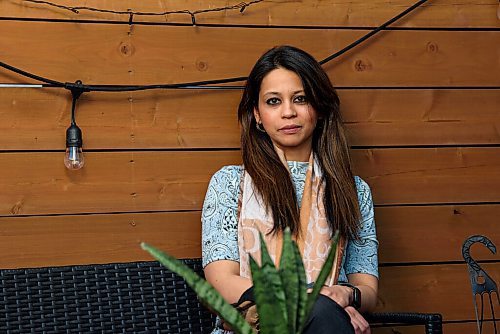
296	173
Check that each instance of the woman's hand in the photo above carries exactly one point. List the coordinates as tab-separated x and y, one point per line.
340	294
359	323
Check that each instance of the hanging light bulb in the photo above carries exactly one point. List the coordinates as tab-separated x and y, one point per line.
73	158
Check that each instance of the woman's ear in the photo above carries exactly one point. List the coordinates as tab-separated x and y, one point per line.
256	115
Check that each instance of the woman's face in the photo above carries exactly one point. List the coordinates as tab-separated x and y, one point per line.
285	113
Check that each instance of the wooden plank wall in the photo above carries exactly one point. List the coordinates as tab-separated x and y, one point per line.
421	102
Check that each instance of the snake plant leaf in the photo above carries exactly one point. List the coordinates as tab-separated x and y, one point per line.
288	271
206	293
269	294
323	275
302	297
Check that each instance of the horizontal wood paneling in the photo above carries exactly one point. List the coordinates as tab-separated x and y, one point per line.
442	289
32	119
111	54
110	182
462	13
65	240
403	231
455	175
448	328
133	181
84	239
37	119
421	117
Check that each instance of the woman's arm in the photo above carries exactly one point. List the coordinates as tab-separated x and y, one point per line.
225	276
220	234
361	262
368	285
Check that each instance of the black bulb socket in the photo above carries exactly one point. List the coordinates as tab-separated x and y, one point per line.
74	136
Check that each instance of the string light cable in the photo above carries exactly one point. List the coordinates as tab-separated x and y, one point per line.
74	158
207	84
240	6
373	32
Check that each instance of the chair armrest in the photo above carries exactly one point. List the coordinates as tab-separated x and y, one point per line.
432	321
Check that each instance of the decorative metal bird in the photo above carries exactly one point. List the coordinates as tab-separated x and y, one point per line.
481	282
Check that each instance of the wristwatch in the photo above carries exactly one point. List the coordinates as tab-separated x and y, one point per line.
356	295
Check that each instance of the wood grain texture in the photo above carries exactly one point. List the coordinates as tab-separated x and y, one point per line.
104	238
434	233
28	242
443	13
110	182
149	54
134	181
442	289
37	119
33	119
421	117
447	175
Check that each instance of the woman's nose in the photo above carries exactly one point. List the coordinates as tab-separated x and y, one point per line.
288	110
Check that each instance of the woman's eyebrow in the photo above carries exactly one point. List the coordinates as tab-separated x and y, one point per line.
273	93
278	93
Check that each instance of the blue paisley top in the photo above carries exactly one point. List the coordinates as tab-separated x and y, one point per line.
220	222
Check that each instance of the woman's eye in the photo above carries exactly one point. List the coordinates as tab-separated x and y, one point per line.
273	101
300	99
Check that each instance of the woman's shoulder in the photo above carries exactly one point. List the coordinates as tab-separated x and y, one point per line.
227	176
364	193
361	184
228	172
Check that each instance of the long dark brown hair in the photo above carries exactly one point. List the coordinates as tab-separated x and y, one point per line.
271	178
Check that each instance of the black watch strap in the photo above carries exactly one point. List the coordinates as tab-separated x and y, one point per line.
356	295
356	298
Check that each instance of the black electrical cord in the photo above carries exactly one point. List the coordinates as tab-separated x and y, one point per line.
195	84
76	89
32	76
240	6
373	32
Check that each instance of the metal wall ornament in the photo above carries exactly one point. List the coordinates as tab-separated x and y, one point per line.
482	283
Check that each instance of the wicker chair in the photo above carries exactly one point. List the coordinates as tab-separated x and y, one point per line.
139	297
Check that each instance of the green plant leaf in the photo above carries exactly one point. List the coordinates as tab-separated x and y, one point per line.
206	293
269	294
290	279
320	281
302	298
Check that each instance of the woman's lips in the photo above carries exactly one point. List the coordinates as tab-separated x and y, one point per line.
290	129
